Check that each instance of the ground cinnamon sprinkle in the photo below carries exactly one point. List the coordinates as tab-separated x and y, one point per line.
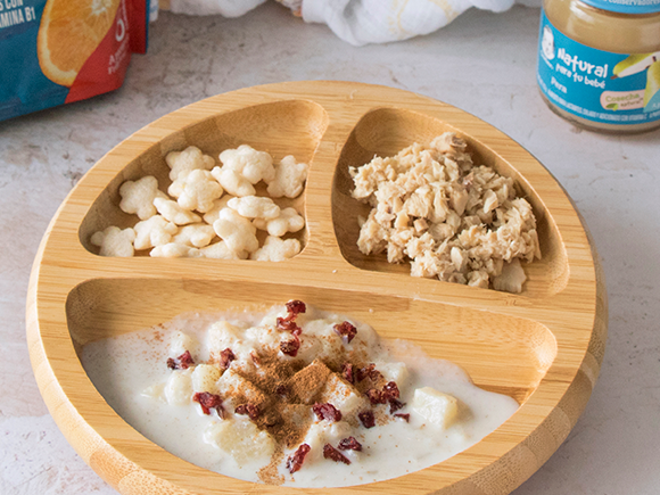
269	474
285	396
305	385
288	390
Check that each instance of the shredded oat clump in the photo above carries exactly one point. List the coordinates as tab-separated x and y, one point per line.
453	220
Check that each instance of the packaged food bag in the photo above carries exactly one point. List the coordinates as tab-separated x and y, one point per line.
54	52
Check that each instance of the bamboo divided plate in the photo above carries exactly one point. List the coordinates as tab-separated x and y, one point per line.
543	347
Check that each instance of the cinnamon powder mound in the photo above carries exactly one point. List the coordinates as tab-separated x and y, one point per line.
306	385
283	392
276	416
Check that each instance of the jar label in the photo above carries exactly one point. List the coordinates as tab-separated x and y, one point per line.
601	86
627	6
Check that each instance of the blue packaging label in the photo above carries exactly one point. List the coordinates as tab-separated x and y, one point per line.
39	37
627	6
20	75
600	86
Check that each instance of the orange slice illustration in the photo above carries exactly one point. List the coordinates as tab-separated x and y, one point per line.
69	33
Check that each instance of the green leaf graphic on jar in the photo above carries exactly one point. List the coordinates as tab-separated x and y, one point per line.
652	91
612	106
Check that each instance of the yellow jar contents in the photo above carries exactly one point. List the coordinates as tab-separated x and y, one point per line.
599	63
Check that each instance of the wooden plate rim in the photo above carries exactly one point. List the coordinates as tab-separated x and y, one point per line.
568	382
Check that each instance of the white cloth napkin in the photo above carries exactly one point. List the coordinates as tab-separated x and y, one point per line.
360	22
226	8
378	21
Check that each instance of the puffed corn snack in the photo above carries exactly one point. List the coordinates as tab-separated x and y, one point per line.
211	210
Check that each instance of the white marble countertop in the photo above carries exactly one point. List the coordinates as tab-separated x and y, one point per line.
483	63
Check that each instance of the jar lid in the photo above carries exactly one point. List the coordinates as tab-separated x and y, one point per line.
626	6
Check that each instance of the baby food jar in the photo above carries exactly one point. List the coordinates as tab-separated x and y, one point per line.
599	63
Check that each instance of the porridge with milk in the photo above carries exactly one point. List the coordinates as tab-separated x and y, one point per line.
294	396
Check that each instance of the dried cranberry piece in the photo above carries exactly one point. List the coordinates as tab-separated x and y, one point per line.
403	416
226	357
395	405
376	396
295	462
290	347
327	411
282	390
374	375
391	390
346	330
329	452
183	362
255	358
209	401
367	418
287	325
347	373
369	371
350	443
295	307
361	373
252	410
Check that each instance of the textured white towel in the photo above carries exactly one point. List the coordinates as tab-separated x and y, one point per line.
379	21
227	8
360	21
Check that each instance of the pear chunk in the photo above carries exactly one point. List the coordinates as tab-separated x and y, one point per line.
241	439
436	407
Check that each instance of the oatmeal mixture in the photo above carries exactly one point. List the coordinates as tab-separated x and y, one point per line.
450	218
296	396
